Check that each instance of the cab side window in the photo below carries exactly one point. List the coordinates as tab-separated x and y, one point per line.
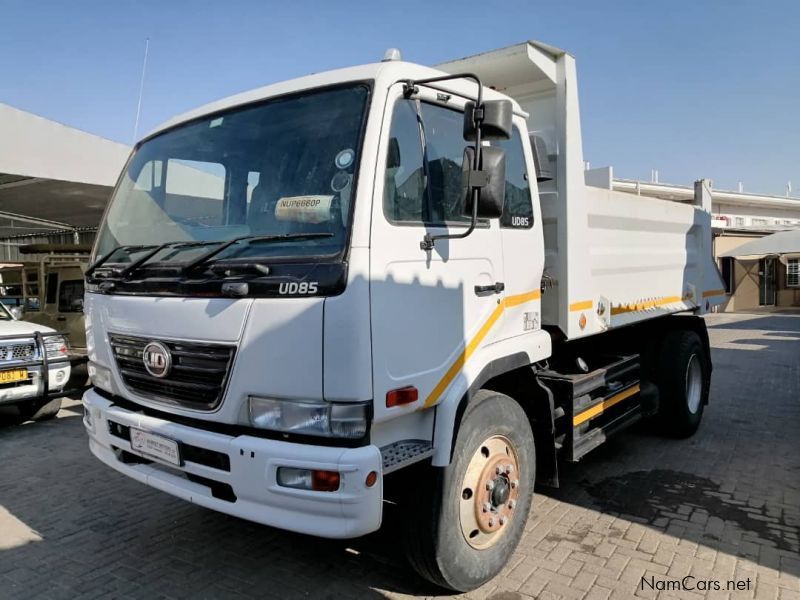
423	183
517	207
70	296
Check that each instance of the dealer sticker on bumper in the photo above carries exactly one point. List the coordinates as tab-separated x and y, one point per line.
155	446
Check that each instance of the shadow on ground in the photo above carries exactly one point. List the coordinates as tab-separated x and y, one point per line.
734	488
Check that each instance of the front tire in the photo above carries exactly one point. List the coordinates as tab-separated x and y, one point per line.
39	410
466	519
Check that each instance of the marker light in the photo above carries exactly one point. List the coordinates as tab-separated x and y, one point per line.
400	396
391	54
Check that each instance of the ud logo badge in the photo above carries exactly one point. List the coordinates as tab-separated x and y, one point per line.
157	359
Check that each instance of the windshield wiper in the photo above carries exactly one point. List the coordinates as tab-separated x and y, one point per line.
103	259
124	273
204	258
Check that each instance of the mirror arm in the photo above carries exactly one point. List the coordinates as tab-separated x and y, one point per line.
429	240
409	89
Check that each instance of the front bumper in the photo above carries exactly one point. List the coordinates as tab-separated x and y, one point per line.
59	374
249	472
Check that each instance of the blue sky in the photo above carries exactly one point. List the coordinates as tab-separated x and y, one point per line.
691	88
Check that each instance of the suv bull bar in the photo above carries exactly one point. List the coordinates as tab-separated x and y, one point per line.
44	361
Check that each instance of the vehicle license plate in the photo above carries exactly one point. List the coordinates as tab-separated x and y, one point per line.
156	446
13	376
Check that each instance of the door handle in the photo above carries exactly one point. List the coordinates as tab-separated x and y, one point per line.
490	289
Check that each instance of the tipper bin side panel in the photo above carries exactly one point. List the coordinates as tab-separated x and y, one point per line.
646	258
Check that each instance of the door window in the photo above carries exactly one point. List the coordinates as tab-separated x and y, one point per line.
423	184
70	296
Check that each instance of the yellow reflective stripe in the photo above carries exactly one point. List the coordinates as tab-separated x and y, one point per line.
473	344
522	298
598	409
710	293
616	310
585	305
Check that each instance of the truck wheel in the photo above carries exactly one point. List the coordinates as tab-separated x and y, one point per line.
467	518
684	380
38	410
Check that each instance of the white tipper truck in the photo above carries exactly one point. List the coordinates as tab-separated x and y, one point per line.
300	290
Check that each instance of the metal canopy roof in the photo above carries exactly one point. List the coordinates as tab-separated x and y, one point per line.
52	177
782	243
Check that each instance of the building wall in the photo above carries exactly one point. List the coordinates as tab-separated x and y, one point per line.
753	216
787	296
746	279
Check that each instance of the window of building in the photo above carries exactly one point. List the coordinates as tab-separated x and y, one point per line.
727	266
70	296
738	221
51	288
793	273
758	221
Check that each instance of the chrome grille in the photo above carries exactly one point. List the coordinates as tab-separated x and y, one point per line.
197	378
18	352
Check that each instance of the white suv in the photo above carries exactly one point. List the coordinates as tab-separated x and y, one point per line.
26	351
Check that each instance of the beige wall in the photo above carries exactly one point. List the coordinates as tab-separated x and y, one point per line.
745	275
747	280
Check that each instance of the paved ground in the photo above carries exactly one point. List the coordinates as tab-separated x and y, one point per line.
724	505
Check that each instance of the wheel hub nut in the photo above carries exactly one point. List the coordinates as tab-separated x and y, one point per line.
514	483
489	486
491	522
503	520
509	469
511	504
487	507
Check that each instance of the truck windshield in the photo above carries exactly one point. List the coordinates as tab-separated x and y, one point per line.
282	168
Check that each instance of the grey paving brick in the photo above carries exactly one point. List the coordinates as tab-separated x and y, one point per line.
724	504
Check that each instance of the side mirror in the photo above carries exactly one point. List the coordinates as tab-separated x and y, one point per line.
490	179
495	123
16	312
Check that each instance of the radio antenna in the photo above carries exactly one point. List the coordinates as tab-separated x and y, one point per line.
141	89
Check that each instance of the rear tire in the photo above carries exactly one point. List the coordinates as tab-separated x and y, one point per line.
38	410
450	540
684	379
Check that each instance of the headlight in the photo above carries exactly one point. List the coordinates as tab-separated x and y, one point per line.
100	376
310	417
56	346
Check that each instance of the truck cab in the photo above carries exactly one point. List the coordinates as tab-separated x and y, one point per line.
299	290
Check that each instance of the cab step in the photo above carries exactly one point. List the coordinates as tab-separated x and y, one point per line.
403	453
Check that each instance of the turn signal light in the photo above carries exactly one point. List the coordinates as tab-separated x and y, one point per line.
324	481
400	396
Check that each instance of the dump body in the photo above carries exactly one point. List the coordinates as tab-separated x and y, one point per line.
611	258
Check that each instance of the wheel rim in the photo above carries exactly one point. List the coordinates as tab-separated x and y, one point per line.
489	492
694	384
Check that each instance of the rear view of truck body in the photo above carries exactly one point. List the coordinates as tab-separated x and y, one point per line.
611	258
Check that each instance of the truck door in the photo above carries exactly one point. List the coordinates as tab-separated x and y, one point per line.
427	316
